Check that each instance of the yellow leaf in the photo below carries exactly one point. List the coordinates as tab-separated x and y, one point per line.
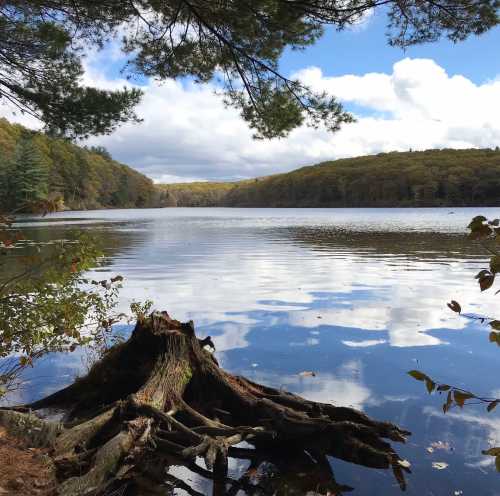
420	376
495	324
430	385
492	452
461	397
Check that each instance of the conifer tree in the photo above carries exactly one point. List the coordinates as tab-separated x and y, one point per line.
29	175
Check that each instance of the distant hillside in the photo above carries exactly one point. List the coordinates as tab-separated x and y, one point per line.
34	166
429	178
200	194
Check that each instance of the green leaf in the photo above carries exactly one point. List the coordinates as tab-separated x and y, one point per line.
497	463
420	376
495	324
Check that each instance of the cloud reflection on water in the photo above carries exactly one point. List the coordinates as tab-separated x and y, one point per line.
281	295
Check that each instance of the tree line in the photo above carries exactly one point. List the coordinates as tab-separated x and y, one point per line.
35	167
398	179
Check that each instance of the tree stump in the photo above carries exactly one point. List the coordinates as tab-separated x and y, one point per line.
161	396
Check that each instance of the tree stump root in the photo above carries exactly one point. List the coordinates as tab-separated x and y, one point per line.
161	398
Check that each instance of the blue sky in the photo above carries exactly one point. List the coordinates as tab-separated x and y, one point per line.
366	50
430	96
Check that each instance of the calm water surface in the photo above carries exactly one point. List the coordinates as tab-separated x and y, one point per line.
356	295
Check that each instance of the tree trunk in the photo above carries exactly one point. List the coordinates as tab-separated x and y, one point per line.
161	397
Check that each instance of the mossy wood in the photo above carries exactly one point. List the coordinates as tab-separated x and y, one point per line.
161	398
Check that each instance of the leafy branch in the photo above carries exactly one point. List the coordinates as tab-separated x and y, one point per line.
487	232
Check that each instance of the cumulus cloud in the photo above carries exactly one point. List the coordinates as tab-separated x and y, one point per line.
188	134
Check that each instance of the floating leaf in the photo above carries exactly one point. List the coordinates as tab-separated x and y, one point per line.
439	465
493	405
455	306
307	373
440	445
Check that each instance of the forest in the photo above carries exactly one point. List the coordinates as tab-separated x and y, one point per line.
35	167
397	179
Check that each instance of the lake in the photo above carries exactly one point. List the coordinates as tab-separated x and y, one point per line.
357	296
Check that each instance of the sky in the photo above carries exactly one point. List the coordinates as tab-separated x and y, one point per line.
439	95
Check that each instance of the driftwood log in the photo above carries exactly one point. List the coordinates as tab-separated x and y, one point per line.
160	398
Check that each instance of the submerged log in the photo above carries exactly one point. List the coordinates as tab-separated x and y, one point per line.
161	396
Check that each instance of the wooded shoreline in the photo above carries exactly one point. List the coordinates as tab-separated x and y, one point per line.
35	167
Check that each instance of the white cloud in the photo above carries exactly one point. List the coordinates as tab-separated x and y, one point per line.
188	134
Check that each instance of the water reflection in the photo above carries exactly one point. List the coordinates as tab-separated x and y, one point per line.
357	296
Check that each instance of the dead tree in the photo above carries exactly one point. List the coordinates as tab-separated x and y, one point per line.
161	395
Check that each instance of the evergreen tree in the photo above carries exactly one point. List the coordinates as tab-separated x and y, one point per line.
29	175
6	188
237	44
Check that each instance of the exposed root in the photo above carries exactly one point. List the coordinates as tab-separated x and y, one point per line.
161	396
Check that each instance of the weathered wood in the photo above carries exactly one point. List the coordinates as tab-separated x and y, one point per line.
162	394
